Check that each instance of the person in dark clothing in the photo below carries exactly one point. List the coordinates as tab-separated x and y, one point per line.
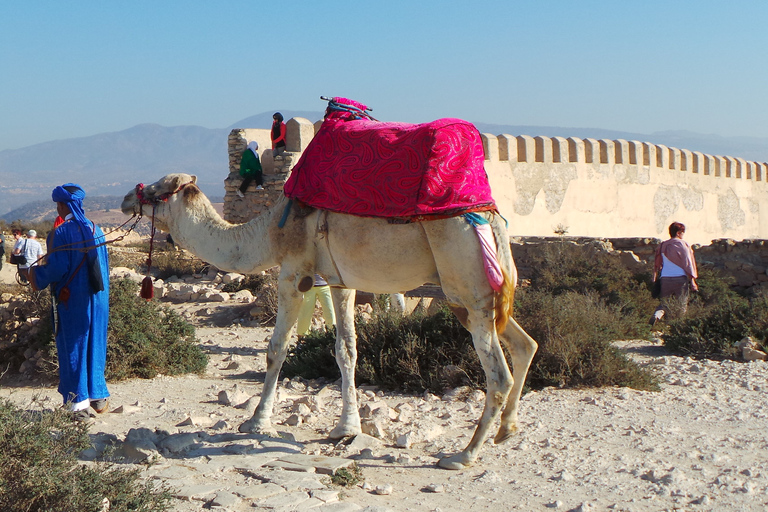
250	168
278	134
2	249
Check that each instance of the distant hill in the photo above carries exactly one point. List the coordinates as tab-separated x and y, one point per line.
110	164
38	211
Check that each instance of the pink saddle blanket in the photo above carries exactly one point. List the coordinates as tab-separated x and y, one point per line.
397	170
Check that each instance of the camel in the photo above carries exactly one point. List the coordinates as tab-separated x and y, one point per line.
357	253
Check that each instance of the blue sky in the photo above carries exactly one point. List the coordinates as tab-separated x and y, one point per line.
73	69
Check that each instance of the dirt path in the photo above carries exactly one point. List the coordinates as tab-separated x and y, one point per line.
699	444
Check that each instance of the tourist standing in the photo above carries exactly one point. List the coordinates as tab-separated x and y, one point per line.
31	249
77	269
675	265
320	292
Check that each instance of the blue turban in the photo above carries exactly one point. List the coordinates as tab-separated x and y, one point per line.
74	200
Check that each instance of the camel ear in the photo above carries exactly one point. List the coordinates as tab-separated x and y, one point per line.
175	184
194	179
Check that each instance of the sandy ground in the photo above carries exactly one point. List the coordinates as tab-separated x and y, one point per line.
701	443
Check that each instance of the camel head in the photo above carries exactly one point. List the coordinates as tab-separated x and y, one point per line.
158	198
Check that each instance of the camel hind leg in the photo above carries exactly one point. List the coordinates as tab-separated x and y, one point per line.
521	348
499	382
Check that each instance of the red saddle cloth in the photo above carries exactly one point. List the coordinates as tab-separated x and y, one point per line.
396	170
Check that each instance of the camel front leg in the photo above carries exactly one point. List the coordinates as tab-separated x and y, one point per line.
288	304
521	349
346	357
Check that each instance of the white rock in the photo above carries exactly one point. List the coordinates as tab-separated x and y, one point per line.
383	490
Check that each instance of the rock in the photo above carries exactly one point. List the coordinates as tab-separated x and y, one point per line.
179	443
293	420
436	488
226	499
363	441
404	440
404	412
234	396
460	393
195	421
232	277
383	490
375	428
750	354
244	296
375	410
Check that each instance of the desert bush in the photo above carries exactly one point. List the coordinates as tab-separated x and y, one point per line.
263	286
435	352
167	263
575	333
143	338
407	353
717	318
39	470
146	339
565	267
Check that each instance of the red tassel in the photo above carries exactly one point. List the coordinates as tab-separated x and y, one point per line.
147	288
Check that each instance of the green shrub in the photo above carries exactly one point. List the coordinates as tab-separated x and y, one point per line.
418	352
168	263
263	286
717	318
565	267
714	330
146	339
574	332
39	470
395	352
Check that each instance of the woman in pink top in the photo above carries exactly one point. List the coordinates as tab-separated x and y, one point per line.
676	266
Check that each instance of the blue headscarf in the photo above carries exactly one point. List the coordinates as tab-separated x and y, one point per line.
74	200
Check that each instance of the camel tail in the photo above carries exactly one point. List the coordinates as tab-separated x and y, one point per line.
505	298
505	301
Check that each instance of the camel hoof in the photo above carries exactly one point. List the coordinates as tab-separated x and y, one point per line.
454	462
504	433
342	431
254	426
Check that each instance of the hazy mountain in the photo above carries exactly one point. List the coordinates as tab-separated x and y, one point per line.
109	164
38	211
264	120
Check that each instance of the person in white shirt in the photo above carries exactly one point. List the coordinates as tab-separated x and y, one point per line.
30	248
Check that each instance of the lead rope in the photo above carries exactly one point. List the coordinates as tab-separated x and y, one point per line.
147	286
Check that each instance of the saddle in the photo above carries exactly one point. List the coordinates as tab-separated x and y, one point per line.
360	166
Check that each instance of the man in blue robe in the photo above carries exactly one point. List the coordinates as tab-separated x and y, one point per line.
77	269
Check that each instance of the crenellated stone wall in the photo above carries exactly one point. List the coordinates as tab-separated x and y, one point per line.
615	188
582	187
